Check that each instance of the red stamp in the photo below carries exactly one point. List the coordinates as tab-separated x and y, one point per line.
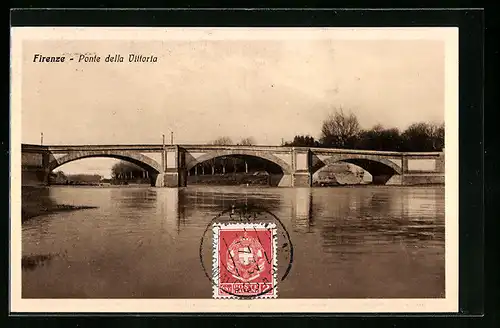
244	262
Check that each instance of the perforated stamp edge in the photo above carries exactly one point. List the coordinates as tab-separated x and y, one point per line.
216	227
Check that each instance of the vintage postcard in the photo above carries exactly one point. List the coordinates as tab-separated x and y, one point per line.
234	170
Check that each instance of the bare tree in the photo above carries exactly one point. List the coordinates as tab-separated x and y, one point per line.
249	141
436	132
378	128
222	141
340	130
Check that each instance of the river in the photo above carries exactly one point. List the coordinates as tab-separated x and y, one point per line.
142	242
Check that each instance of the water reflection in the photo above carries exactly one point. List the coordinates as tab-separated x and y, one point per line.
302	210
144	242
215	200
137	198
170	209
383	216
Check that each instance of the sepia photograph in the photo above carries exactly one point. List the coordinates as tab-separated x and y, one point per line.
234	169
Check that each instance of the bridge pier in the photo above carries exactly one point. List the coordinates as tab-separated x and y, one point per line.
171	179
301	179
174	173
34	166
301	165
34	177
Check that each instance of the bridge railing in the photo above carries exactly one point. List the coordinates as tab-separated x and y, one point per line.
370	152
157	147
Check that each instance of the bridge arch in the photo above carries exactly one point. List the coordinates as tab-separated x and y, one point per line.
285	167
138	159
381	169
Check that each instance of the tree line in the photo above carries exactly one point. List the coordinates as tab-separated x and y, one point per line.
341	130
123	170
234	164
226	141
59	177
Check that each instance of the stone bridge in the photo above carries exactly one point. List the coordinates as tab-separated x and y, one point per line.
168	166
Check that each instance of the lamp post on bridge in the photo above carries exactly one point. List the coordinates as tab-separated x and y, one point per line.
163	153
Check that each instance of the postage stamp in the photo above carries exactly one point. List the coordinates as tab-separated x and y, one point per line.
244	260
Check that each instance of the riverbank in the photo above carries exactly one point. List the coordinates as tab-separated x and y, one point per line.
230	179
36	202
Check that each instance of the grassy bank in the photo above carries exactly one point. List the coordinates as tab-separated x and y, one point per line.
36	201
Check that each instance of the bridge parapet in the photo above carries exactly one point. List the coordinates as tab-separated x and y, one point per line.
70	148
235	147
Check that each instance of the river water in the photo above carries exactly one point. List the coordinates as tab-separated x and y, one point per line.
142	242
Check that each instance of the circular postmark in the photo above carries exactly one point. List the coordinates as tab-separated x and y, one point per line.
250	252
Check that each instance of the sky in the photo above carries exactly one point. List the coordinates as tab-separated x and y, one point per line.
202	89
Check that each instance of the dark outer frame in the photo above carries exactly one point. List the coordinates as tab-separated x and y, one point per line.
471	23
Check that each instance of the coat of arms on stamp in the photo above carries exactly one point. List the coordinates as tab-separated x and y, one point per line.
244	260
